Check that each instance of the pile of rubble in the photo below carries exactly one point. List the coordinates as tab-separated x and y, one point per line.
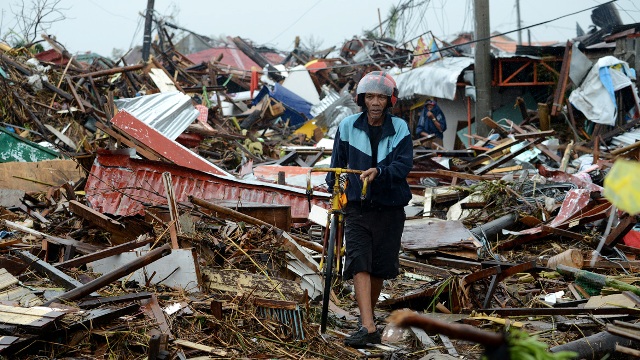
142	218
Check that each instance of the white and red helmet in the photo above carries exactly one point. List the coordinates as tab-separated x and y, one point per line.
377	82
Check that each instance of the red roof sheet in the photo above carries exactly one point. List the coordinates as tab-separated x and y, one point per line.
233	57
52	56
230	56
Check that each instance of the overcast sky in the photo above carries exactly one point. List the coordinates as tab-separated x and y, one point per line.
100	26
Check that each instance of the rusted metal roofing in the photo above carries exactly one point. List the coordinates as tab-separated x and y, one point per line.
120	185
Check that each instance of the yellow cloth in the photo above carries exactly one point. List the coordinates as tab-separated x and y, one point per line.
621	186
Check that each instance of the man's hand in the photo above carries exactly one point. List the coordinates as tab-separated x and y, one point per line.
430	115
369	174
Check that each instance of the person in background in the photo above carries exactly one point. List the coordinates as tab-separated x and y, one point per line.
432	122
379	144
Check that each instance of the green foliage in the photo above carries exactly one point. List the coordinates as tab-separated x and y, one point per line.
522	346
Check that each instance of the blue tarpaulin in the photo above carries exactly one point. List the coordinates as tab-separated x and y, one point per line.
297	110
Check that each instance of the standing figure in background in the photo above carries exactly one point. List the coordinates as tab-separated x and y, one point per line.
432	122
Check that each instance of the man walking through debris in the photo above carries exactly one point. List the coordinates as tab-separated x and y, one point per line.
380	144
432	122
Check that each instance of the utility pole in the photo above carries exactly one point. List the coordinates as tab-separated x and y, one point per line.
146	43
483	71
519	23
380	21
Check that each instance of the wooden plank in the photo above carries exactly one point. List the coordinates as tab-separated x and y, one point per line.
81	247
545	150
625	225
110	251
425	339
243	282
6	279
39	176
22	296
97	317
37	317
496	151
495	126
455	263
153	310
448	345
200	347
563	79
88	304
506	158
54	274
95	217
534	135
506	169
275	304
140	149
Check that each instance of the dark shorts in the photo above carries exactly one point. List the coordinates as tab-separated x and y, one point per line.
372	238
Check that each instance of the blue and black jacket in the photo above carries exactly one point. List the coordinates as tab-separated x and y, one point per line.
426	125
352	149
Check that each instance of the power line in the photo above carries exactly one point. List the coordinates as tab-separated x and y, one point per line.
295	22
515	30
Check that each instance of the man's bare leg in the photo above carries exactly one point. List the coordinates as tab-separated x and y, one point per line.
376	289
363	287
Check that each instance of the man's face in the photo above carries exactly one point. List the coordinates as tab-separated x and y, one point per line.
430	107
375	103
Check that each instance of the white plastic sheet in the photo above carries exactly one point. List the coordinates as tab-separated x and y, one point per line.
593	98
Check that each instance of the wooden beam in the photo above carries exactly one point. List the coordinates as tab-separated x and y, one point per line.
105	253
95	217
506	158
89	304
562	80
495	126
140	149
51	272
81	247
625	225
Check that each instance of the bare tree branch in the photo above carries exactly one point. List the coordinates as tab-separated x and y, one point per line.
33	18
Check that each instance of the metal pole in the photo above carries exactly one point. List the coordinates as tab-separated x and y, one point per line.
483	71
519	22
146	43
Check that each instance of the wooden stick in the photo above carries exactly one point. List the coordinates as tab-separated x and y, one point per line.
406	318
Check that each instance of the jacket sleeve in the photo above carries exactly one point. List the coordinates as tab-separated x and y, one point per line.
420	128
401	164
338	158
443	121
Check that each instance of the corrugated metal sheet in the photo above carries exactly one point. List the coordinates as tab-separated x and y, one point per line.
170	113
120	185
167	148
437	78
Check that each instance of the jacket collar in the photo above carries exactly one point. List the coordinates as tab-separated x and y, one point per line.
362	123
